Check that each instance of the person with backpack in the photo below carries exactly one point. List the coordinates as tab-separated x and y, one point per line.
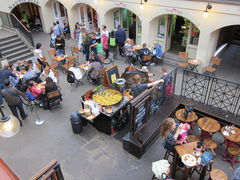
12	97
112	41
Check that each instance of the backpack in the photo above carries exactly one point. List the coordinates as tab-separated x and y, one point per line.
70	77
206	158
112	41
169	90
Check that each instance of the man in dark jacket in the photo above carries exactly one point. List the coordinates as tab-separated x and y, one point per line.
60	45
121	38
4	74
11	96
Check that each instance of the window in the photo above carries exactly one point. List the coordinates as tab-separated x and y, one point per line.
161	27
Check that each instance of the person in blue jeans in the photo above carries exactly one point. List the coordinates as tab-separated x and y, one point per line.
4	74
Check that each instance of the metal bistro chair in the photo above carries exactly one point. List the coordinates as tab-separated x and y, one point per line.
103	60
215	61
183	55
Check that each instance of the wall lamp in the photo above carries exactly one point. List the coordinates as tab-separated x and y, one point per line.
142	4
205	13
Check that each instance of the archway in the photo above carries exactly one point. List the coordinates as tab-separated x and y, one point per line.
129	21
60	13
175	33
29	15
227	43
88	15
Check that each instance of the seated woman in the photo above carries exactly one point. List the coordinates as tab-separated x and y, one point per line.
95	57
48	73
20	66
129	51
49	87
94	70
36	92
171	131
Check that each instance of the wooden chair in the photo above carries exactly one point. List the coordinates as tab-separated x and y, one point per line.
233	151
53	66
51	52
102	59
217	174
192	138
215	61
70	63
56	74
146	61
209	143
183	55
75	52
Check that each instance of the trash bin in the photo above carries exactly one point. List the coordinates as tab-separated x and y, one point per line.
76	123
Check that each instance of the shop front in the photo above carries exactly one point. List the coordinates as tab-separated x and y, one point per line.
175	34
29	15
129	21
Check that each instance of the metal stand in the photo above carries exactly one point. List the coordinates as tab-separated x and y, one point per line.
39	121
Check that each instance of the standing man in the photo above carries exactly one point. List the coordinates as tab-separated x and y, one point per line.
93	43
4	74
121	38
57	28
11	96
60	45
86	44
138	88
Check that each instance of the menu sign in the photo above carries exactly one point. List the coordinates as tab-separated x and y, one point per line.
112	74
139	112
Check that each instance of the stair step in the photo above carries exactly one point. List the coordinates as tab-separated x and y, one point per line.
9	46
25	56
8	38
17	53
7	42
14	49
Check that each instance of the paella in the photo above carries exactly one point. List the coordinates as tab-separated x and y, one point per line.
107	97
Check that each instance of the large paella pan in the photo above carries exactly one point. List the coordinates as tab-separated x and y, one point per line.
107	97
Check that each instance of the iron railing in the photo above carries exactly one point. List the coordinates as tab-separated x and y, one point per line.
212	91
9	20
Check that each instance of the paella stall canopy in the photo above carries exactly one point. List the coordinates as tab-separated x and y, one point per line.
111	108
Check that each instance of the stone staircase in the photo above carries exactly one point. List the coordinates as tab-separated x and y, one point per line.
14	48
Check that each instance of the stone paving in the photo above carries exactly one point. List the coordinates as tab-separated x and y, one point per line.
89	155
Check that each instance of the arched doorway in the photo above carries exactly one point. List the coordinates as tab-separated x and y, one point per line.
88	16
175	34
227	43
60	13
129	21
29	15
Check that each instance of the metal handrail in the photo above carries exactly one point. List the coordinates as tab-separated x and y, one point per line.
11	21
20	22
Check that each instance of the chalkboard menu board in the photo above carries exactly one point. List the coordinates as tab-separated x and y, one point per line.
112	74
139	111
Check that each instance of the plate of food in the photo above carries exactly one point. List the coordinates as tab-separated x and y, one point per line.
189	160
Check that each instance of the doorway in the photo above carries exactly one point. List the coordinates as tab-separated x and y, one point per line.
88	16
60	13
128	20
28	14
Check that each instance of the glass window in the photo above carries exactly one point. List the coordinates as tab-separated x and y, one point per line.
116	19
62	11
161	27
194	35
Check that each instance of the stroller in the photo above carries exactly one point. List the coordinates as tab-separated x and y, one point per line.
74	76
